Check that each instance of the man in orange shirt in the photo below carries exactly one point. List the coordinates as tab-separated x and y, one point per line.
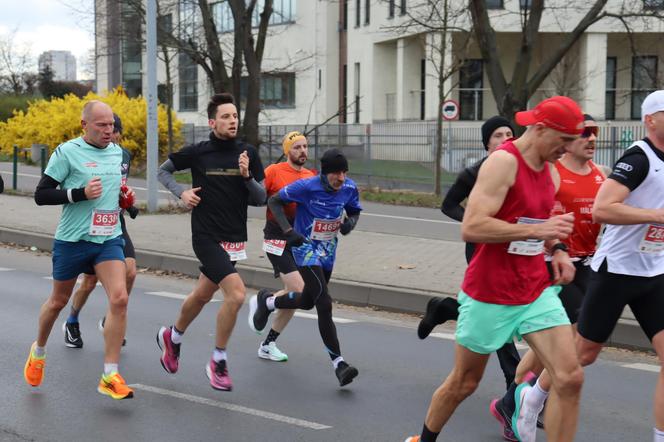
278	176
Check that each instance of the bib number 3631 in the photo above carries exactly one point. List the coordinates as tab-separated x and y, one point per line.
236	250
103	222
653	240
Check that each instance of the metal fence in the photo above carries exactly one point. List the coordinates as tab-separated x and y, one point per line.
401	155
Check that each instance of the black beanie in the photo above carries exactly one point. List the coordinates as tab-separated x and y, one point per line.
491	125
333	161
117	123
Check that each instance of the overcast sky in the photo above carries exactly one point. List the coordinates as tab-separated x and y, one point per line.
42	25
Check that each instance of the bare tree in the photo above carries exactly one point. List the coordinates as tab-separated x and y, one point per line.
15	62
512	94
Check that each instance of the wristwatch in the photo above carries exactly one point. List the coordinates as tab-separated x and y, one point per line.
559	246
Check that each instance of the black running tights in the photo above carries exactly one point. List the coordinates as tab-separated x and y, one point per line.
315	294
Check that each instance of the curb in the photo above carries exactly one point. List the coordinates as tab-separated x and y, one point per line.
627	333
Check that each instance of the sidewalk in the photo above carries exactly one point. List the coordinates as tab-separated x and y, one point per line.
372	269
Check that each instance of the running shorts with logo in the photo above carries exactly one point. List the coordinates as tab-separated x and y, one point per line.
215	261
609	293
70	259
484	328
319	217
128	249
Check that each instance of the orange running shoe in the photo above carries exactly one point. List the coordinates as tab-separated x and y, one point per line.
34	367
413	439
114	386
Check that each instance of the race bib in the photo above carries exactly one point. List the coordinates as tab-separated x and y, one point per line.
235	250
103	222
274	246
325	229
529	247
653	240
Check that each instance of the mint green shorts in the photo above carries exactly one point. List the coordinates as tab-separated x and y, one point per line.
483	328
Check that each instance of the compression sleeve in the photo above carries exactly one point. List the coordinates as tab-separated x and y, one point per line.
276	205
257	193
48	194
165	177
458	192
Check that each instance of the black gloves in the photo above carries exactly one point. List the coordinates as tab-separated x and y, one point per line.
347	226
294	239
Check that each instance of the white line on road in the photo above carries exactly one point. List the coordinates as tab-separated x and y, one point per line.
174	295
408	218
5	269
312	316
233	407
643	367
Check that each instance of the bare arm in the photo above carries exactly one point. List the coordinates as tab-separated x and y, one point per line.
609	207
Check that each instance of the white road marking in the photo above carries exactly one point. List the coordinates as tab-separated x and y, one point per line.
78	281
5	269
232	407
643	367
451	337
408	218
29	175
175	295
313	316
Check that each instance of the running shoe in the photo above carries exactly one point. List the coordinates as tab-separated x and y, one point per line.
412	439
503	417
114	386
524	420
34	367
258	311
345	373
217	373
170	355
271	352
438	311
100	326
72	334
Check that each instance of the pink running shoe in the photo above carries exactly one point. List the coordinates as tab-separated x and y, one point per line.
217	372
170	352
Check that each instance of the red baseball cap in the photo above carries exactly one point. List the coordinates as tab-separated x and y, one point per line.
558	113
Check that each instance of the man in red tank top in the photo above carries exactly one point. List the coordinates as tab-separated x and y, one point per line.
506	290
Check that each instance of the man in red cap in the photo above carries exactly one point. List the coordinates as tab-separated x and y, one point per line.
506	290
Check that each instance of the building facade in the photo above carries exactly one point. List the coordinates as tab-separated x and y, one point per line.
62	63
364	61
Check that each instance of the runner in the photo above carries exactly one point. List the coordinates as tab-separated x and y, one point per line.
321	202
628	267
576	179
506	290
71	328
87	169
278	252
495	131
227	176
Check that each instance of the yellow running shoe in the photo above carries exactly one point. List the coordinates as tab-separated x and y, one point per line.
114	386
34	368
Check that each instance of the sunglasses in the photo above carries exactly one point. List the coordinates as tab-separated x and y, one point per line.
588	131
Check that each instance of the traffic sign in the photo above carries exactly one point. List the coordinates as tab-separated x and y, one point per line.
450	110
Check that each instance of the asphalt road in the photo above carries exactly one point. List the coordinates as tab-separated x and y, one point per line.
294	401
381	218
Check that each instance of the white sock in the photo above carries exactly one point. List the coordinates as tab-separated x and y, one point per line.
39	351
536	396
176	337
269	302
337	361
219	355
658	435
110	369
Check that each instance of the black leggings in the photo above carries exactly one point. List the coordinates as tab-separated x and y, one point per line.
315	294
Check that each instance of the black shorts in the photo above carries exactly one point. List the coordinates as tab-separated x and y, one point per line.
283	264
128	248
215	262
572	294
607	296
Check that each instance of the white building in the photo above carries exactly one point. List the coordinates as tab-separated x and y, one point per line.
325	55
62	63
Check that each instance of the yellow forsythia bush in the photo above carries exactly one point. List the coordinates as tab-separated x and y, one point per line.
55	121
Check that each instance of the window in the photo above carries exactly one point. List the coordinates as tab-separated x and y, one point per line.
423	85
390	9
277	90
403	7
164	27
344	97
644	81
494	4
188	18
653	4
367	12
358	14
610	100
357	92
188	83
163	93
470	90
344	18
283	11
132	49
525	4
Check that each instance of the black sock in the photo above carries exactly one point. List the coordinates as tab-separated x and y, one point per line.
271	337
428	435
508	400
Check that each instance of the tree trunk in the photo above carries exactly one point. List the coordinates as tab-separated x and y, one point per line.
169	98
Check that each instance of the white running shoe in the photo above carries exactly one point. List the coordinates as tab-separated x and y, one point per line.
271	352
524	419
